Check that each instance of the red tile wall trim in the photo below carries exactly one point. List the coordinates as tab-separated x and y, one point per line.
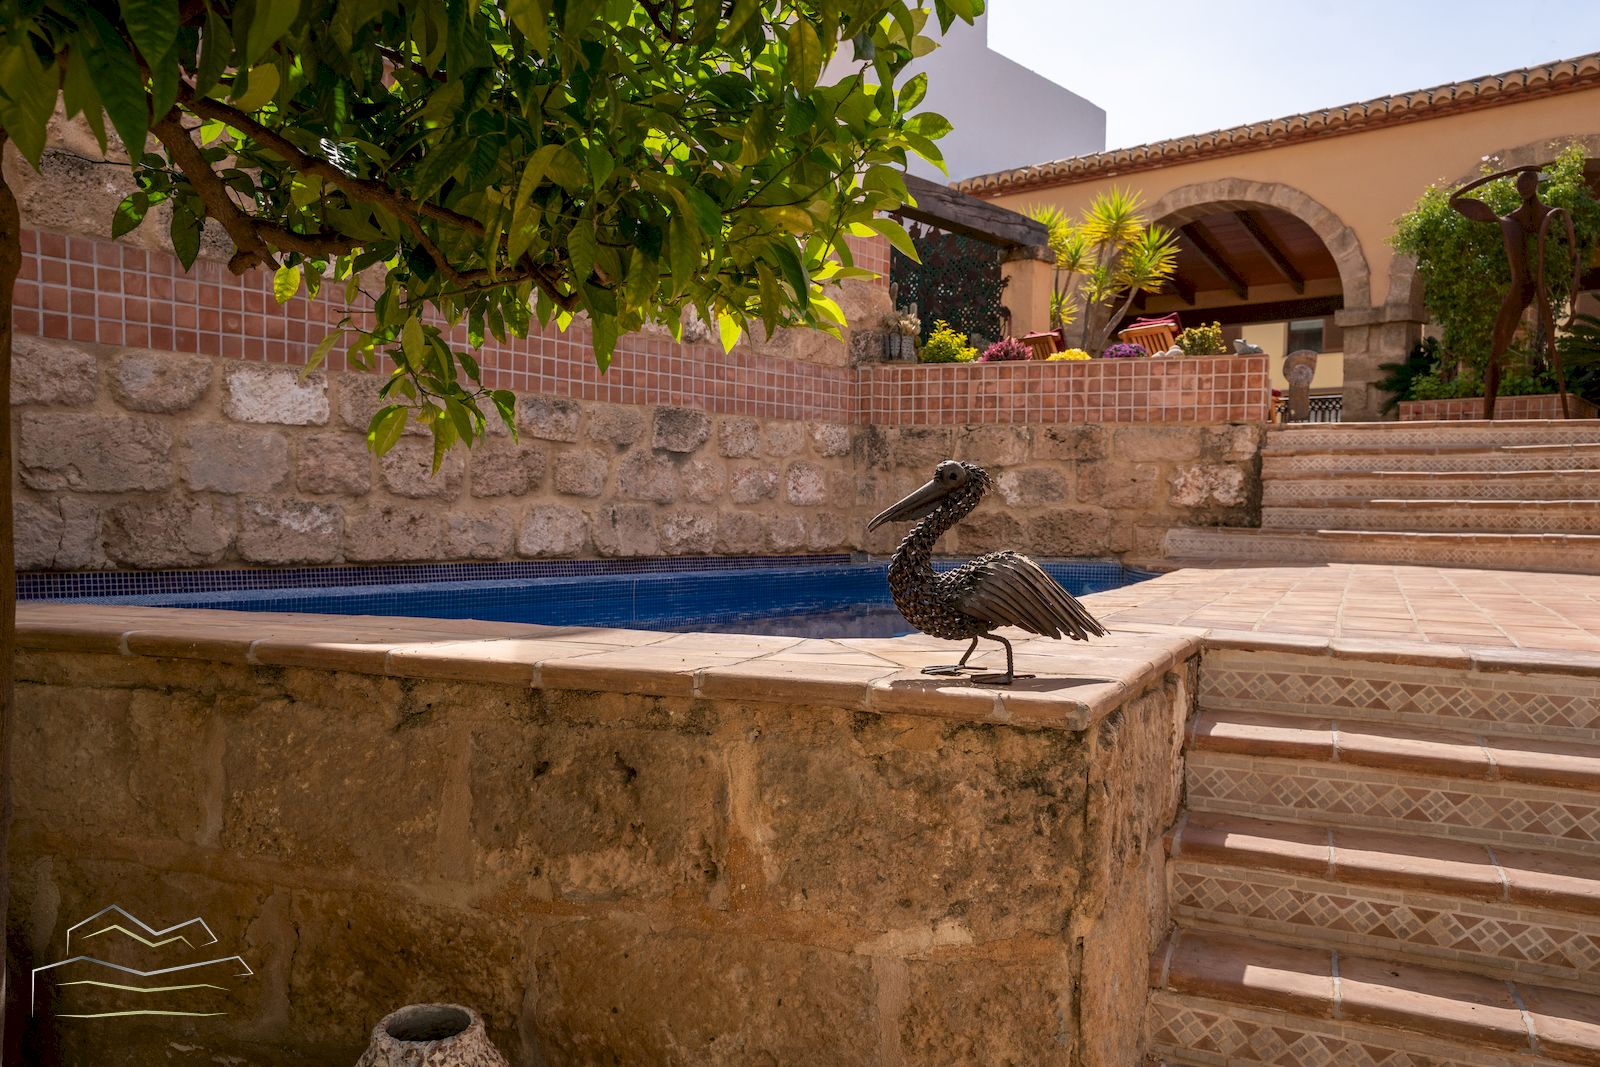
98	291
1544	406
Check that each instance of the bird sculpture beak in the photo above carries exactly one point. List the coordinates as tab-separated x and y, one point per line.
915	506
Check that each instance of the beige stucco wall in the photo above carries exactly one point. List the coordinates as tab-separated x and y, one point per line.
1352	188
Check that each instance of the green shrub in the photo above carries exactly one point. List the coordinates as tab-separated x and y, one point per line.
1202	340
945	345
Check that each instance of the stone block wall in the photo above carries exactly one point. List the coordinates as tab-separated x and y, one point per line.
607	877
131	458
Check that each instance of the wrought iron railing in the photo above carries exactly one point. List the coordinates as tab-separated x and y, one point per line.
1328	408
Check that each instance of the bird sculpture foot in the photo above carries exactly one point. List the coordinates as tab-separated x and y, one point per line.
998	679
949	668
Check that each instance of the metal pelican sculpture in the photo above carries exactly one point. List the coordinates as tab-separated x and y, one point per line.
1000	589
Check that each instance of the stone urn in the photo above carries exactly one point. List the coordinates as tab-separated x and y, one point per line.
431	1035
899	346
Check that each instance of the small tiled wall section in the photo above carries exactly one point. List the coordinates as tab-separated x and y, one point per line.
131	458
94	291
1213	389
1505	407
606	877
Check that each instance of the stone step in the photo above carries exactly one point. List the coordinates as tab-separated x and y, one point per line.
1573	553
1311	462
1443	515
1501	791
1547	705
1384	435
1224	999
1507	913
1323	488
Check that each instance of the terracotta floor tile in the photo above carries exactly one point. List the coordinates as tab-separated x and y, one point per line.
1553	763
1405	748
1370	857
1551	879
1260	843
1255	972
1439	1003
1566	1023
1264	735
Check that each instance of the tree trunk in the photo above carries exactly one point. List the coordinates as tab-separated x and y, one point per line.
10	266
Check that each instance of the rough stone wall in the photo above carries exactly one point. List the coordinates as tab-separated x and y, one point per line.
608	878
142	459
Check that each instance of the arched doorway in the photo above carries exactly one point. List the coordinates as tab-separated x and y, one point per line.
1276	268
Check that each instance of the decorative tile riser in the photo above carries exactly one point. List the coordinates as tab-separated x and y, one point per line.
1328	491
1552	517
1490	812
1395	435
1501	940
1197	1032
1289	547
1273	466
1545	705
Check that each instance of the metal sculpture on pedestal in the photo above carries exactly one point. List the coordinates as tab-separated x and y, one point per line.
1528	222
1000	589
1299	369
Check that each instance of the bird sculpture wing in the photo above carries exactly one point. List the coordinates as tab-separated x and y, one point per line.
1008	589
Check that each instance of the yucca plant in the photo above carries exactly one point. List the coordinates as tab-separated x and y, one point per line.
1103	261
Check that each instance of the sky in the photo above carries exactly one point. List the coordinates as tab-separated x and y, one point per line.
1164	68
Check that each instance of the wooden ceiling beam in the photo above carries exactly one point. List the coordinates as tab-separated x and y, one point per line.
1207	251
955	212
1181	286
1269	248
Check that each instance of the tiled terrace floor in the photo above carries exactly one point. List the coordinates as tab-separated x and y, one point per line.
1434	605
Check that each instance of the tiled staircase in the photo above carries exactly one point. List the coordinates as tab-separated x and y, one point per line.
1384	865
1512	495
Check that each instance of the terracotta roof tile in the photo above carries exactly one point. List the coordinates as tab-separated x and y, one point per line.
1491	90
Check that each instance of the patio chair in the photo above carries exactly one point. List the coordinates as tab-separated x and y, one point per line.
1044	345
1155	334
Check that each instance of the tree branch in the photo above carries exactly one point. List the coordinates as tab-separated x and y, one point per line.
250	249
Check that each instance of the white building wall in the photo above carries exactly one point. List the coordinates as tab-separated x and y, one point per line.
1005	115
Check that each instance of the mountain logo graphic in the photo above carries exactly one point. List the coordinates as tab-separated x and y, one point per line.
119	988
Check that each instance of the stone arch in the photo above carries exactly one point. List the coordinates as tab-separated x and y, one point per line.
1189	202
1405	284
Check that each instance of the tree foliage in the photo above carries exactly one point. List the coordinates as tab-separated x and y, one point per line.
1463	264
1103	261
491	164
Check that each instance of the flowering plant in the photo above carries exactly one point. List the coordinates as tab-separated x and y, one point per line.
904	323
1008	349
1123	350
945	345
1202	341
1071	353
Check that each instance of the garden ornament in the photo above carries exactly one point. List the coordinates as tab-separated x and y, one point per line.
1000	589
1529	222
1175	352
1242	347
431	1035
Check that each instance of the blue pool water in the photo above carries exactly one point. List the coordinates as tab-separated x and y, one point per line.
835	597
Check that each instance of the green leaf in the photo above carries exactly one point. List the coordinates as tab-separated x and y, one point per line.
185	232
320	353
153	25
805	55
581	248
412	343
532	17
913	91
601	164
216	48
130	213
386	427
271	20
897	236
729	330
28	97
286	283
258	88
79	95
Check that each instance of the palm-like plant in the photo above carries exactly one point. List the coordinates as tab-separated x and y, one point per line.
1103	262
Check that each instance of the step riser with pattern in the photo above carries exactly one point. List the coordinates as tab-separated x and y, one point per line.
1494	938
1334	436
1427	485
1547	705
1495	516
1275	465
1551	552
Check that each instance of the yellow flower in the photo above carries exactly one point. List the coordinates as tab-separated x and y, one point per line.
1071	353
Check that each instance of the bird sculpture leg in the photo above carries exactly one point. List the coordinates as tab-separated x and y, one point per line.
1000	679
954	668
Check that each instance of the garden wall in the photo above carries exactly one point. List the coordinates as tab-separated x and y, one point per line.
784	855
1545	406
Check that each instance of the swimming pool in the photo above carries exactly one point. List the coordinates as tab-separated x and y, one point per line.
832	596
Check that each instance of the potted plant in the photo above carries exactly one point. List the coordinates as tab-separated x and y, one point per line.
900	329
1203	341
945	345
1006	350
1070	355
1123	350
